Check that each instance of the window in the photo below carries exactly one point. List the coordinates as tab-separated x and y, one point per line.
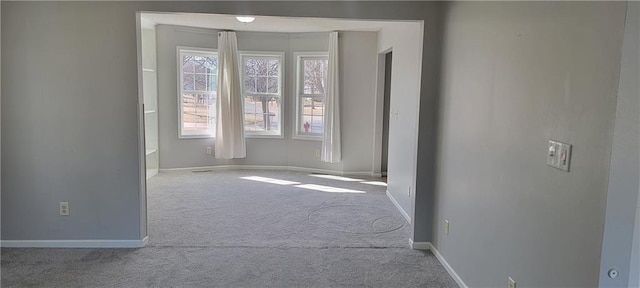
197	92
311	83
262	92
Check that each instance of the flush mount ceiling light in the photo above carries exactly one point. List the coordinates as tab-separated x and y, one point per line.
245	19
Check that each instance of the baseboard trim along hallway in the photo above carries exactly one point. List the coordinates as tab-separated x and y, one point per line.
74	243
446	265
419	245
395	203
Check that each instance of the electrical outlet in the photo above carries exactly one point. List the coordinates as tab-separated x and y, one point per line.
208	150
317	153
446	227
512	283
64	208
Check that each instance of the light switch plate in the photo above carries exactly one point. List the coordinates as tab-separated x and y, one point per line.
559	155
64	208
564	157
511	283
552	153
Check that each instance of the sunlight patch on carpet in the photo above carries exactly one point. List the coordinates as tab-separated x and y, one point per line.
269	180
334	177
329	189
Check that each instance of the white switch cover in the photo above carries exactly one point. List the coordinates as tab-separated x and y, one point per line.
511	283
559	155
552	153
64	208
564	157
446	227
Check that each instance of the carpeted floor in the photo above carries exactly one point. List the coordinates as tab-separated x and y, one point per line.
247	229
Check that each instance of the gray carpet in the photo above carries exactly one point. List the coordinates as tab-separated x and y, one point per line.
216	229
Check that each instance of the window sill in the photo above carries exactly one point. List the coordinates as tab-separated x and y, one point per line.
263	136
246	136
190	137
307	137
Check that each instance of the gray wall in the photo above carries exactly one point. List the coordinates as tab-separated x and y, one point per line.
69	122
88	155
515	75
625	160
358	63
405	41
510	70
634	263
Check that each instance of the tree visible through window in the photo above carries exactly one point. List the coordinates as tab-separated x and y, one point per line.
198	77
312	81
262	75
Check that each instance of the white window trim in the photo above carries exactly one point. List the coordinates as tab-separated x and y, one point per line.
296	131
192	50
280	55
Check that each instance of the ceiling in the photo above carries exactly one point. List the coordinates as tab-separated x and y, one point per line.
264	23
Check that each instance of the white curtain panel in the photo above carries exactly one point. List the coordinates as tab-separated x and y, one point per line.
331	137
230	123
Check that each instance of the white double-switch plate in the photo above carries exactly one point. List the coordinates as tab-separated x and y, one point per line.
559	155
64	208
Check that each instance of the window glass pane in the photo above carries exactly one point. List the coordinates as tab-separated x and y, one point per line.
187	82
314	76
261	66
250	66
312	111
201	82
260	78
199	73
187	64
250	84
273	67
212	65
212	82
261	114
198	112
261	84
272	85
199	64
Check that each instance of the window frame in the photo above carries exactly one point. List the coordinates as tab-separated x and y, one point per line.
180	50
299	57
281	95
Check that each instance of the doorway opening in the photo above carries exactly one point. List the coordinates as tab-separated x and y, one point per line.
170	73
385	112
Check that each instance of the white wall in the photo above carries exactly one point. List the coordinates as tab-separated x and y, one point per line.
358	56
405	40
514	75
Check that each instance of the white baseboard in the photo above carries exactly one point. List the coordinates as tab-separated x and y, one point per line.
419	245
395	203
265	167
448	267
74	243
151	173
